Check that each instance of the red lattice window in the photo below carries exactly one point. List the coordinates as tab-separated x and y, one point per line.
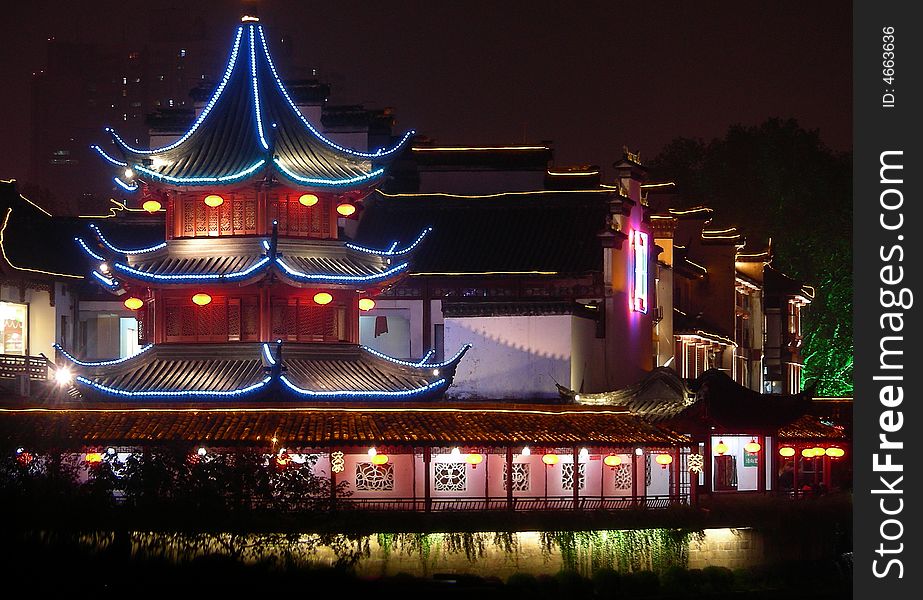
302	320
222	320
236	216
297	220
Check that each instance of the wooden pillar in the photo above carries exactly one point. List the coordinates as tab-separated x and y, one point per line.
602	479
263	225
265	315
487	479
761	466
427	499
352	317
796	488
708	463
509	478
333	484
634	478
576	478
413	475
427	318
157	317
773	458
827	473
677	473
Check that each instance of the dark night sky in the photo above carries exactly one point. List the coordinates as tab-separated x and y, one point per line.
591	76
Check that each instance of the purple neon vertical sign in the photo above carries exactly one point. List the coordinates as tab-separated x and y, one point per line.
639	282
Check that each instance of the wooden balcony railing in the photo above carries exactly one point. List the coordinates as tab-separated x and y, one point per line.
532	503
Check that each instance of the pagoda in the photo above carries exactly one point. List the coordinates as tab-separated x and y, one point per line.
253	259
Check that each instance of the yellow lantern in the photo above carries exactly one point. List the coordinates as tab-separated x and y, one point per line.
721	448
151	206
550	459
818	451
134	303
835	452
808	453
308	199
94	457
787	451
346	209
613	460
323	298
380	459
214	200
474	459
663	460
201	299
366	304
752	446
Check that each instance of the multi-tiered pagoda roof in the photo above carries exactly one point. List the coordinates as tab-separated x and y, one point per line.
252	294
251	130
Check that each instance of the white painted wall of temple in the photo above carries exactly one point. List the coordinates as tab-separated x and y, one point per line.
511	357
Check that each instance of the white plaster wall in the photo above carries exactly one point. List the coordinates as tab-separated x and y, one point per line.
588	363
408	309
497	461
403	476
660	478
511	357
476	478
608	477
41	334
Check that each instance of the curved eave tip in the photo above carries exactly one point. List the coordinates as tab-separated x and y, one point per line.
461	354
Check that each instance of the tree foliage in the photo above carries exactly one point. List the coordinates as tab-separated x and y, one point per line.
779	181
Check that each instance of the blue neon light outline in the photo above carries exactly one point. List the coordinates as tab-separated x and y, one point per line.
268	355
108	158
108	244
426	357
107	281
256	92
194	277
101	363
89	250
377	154
422	362
301	276
346	394
326	182
232	62
112	391
128	188
391	251
202	180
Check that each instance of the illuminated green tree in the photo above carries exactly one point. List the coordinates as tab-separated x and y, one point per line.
779	181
